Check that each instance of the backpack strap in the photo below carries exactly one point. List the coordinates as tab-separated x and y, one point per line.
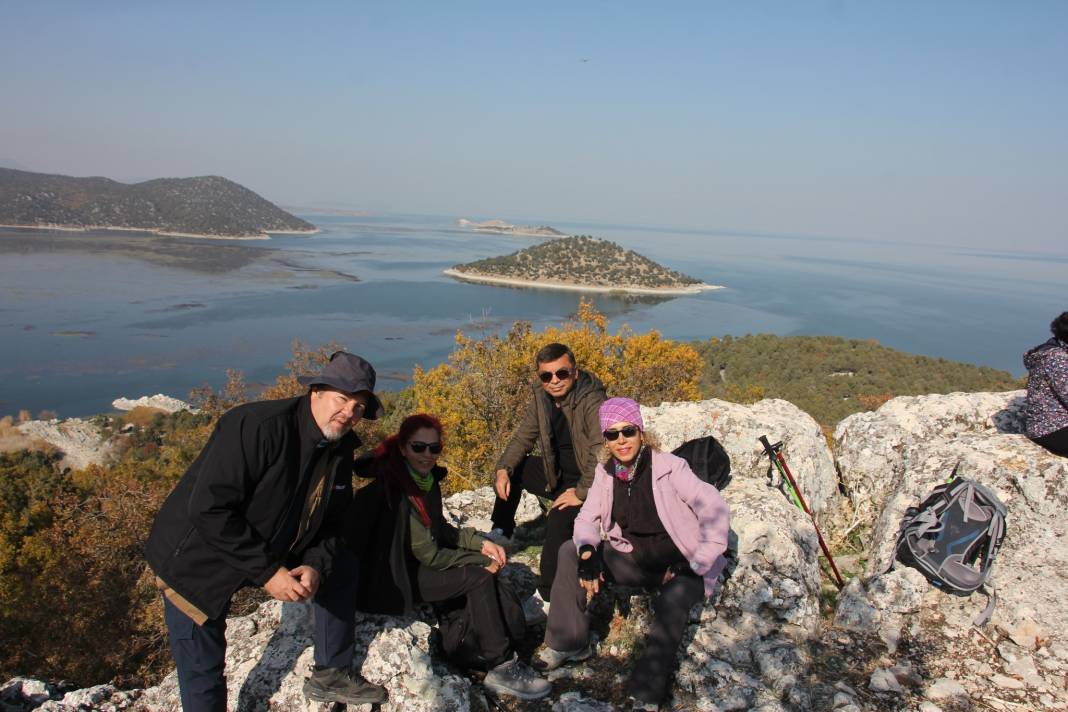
991	601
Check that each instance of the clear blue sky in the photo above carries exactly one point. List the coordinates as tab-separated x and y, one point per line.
936	121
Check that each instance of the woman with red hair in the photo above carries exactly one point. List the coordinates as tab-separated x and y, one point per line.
409	554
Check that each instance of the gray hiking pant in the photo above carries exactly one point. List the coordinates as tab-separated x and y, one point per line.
568	627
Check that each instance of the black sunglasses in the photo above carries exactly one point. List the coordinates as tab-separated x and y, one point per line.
418	447
628	431
563	374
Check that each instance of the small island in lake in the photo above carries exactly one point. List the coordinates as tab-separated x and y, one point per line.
580	263
500	227
205	206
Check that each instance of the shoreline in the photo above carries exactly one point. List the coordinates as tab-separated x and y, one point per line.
265	235
572	287
515	233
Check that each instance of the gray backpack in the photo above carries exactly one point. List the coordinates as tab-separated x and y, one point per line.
953	537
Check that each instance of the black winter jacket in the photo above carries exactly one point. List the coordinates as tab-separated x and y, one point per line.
218	530
580	406
379	532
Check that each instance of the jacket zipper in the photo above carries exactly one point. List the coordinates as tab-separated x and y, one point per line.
178	549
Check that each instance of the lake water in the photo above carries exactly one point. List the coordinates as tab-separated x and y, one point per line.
78	330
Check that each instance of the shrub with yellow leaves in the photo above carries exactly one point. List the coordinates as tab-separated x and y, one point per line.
481	391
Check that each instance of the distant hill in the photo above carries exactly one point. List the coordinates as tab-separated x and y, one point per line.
830	377
580	262
204	206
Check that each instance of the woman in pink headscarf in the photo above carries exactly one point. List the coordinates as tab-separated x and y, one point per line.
648	520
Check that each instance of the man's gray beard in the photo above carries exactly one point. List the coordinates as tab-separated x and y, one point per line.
332	433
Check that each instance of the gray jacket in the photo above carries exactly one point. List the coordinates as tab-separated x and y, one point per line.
579	407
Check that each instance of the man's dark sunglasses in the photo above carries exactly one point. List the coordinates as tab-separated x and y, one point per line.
628	431
418	447
563	374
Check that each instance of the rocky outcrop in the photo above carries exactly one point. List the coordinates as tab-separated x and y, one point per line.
889	460
157	402
873	449
269	655
738	428
764	642
79	440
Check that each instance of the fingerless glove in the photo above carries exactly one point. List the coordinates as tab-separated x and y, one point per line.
589	569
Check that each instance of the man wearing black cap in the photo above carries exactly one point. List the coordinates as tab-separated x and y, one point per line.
262	506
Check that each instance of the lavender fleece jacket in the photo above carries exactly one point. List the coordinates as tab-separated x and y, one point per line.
694	514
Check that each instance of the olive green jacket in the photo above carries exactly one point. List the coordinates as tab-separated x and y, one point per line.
580	407
452	547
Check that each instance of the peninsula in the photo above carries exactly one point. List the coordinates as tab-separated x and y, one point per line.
205	206
500	227
580	263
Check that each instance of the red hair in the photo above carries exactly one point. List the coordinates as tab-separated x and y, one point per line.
389	452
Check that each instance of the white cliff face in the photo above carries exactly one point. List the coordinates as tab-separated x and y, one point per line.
894	641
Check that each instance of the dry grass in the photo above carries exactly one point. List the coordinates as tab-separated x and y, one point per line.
141	416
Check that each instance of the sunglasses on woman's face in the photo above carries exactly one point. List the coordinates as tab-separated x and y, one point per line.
561	374
418	447
628	431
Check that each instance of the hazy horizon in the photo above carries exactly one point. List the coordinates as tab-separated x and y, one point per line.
903	122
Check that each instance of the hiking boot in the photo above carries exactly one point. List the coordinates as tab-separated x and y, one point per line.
518	680
535	609
342	685
637	705
549	659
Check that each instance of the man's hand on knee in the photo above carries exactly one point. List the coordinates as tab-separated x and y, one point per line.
567	498
310	578
284	586
503	485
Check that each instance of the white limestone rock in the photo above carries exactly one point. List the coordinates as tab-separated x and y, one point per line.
880	604
873	448
747	651
907	447
473	508
79	440
158	402
737	427
945	689
269	655
777	575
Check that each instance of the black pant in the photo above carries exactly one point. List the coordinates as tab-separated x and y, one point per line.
200	650
568	628
479	586
559	524
1056	442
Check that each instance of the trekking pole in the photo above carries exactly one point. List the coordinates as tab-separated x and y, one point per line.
795	492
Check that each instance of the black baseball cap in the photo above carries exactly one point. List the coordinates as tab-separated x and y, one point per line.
349	373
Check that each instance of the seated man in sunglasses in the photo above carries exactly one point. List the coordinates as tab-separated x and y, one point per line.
561	419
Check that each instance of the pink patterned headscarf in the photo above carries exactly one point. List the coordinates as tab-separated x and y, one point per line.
620	410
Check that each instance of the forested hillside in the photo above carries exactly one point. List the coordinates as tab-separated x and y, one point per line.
205	205
580	259
830	377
